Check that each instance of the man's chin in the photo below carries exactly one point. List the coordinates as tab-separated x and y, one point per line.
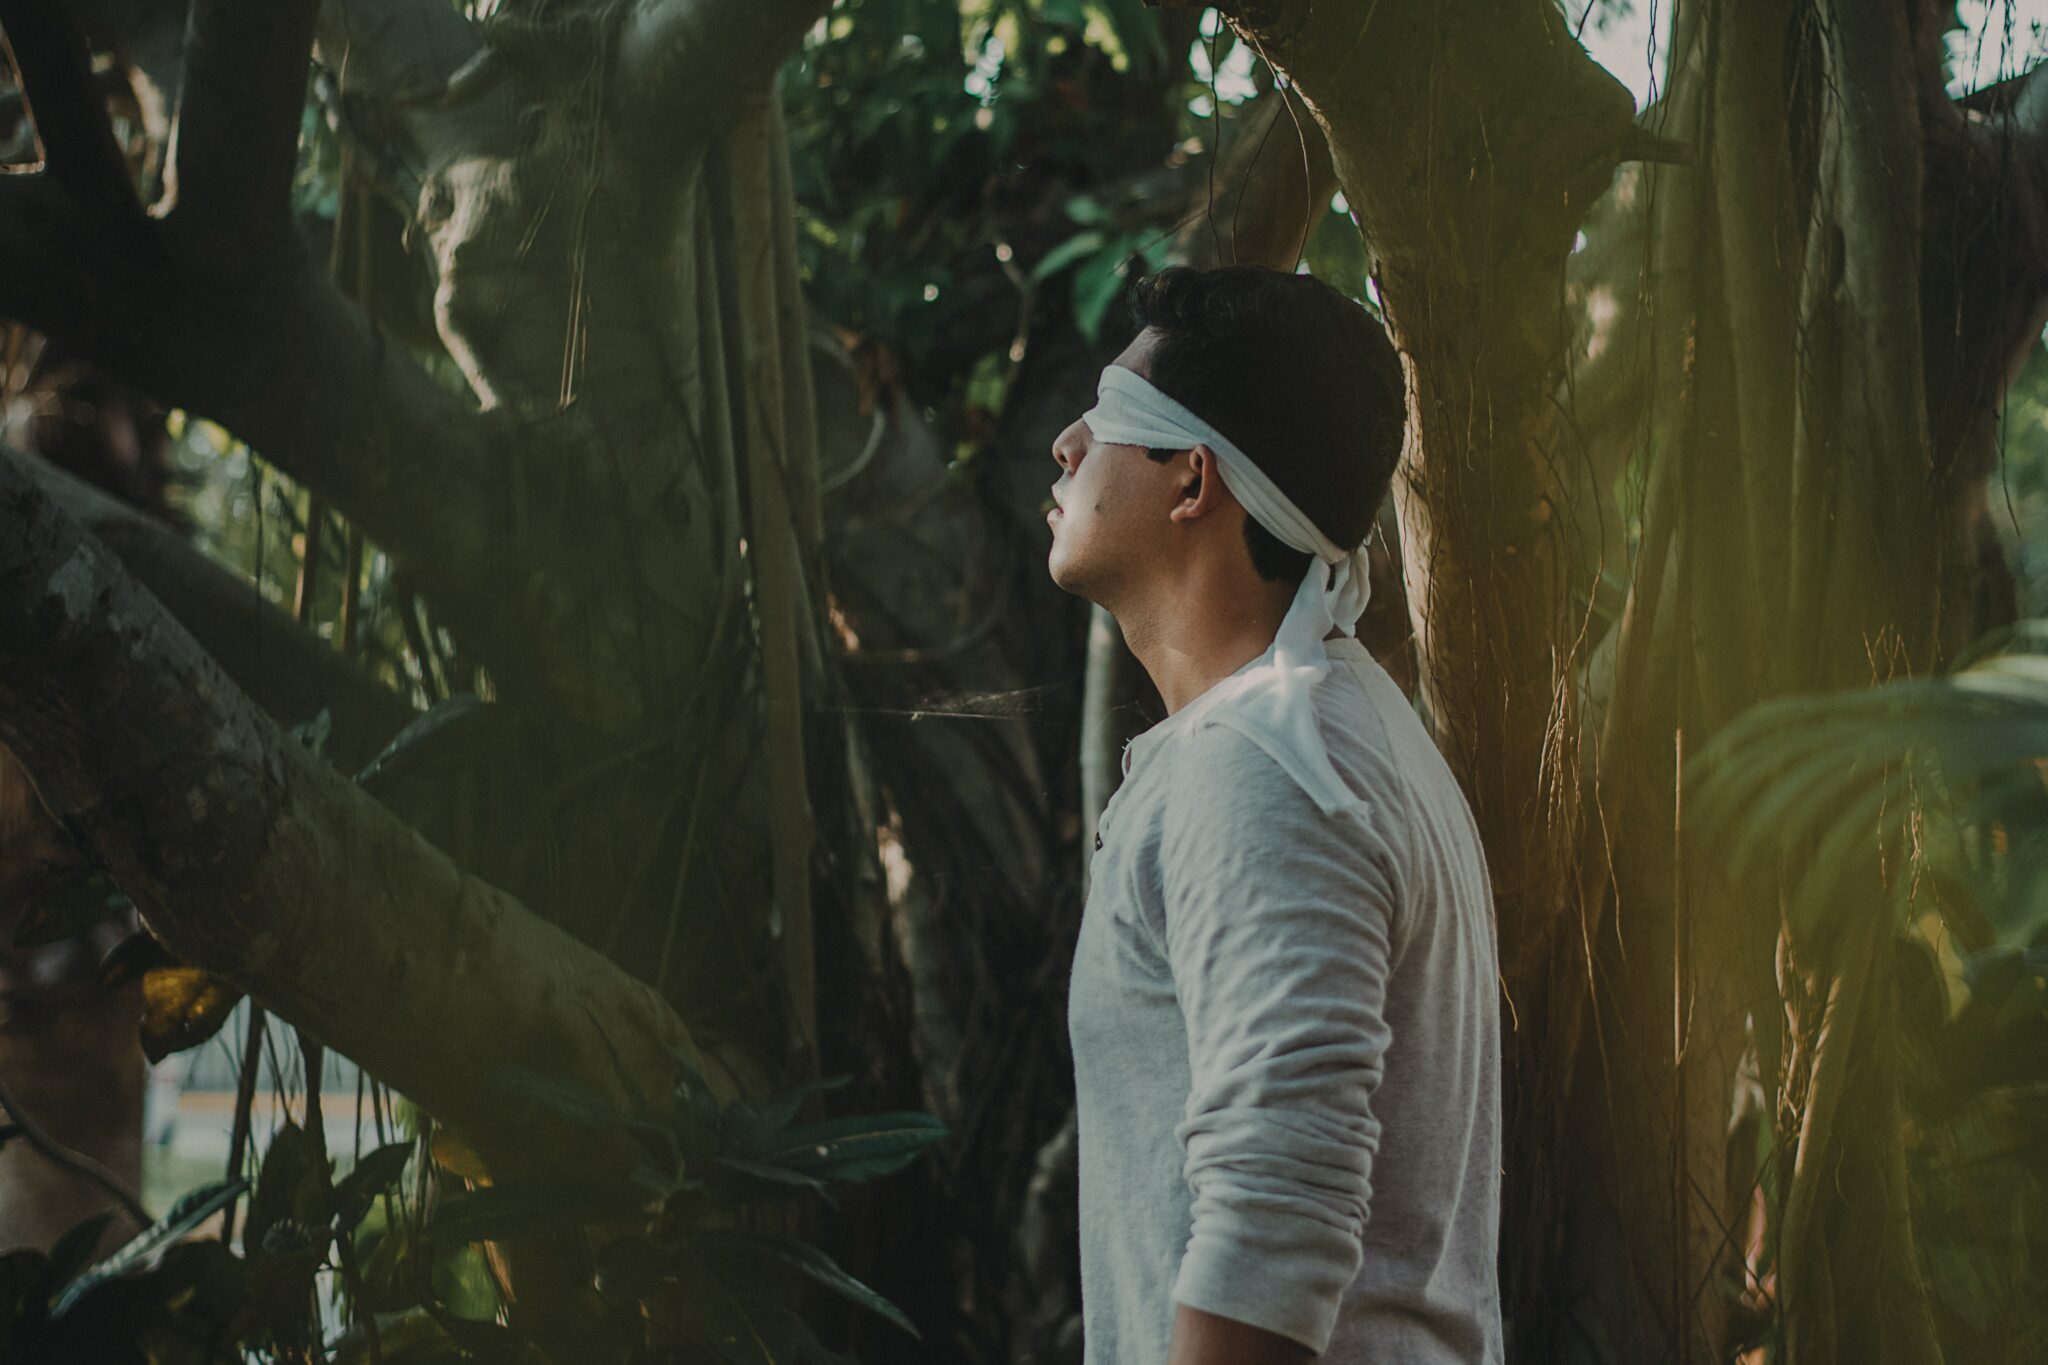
1068	582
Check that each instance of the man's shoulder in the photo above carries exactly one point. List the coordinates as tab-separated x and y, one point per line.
1226	781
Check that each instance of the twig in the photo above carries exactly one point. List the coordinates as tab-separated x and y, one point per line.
245	1099
76	1162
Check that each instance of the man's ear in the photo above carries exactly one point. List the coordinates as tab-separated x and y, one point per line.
1201	489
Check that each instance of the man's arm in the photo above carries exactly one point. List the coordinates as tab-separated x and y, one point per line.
1201	1338
1278	922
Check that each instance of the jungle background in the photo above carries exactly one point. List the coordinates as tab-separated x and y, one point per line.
526	666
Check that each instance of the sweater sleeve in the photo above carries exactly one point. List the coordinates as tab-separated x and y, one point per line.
1277	925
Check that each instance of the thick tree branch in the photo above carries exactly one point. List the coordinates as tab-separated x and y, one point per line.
261	342
251	858
53	68
236	137
283	667
680	60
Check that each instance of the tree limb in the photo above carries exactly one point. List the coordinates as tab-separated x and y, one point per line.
73	1162
680	60
259	341
236	136
250	858
284	668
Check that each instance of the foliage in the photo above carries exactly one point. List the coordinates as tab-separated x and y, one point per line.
1946	781
159	1298
906	117
1941	774
698	1264
1006	159
708	1271
2020	494
1976	1100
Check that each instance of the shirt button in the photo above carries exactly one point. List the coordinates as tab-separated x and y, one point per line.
1098	841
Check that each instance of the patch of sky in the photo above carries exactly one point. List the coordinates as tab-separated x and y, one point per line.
1230	80
1997	39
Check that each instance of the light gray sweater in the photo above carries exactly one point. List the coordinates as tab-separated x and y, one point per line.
1287	1045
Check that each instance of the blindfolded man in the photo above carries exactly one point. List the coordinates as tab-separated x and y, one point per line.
1284	999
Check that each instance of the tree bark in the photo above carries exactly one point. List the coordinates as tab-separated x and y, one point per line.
246	855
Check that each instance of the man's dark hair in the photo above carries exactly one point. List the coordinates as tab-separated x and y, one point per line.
1301	378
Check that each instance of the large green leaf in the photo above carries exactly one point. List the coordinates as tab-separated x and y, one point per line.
292	1186
440	739
752	1125
375	1173
1820	787
860	1147
73	1251
146	1251
1076	247
762	1257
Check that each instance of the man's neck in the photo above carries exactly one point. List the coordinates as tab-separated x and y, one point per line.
1192	637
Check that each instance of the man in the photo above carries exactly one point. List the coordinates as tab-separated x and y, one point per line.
1284	999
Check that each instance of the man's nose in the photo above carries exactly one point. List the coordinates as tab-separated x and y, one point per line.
1069	447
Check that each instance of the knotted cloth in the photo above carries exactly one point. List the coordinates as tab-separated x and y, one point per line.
1269	700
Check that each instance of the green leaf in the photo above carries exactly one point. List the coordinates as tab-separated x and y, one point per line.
74	1250
194	1295
1810	793
292	1186
441	733
857	1148
1086	210
697	1120
288	1231
753	1125
1101	280
377	1172
146	1251
761	1256
1065	254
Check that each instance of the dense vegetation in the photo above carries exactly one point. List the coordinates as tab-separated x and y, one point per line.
649	422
